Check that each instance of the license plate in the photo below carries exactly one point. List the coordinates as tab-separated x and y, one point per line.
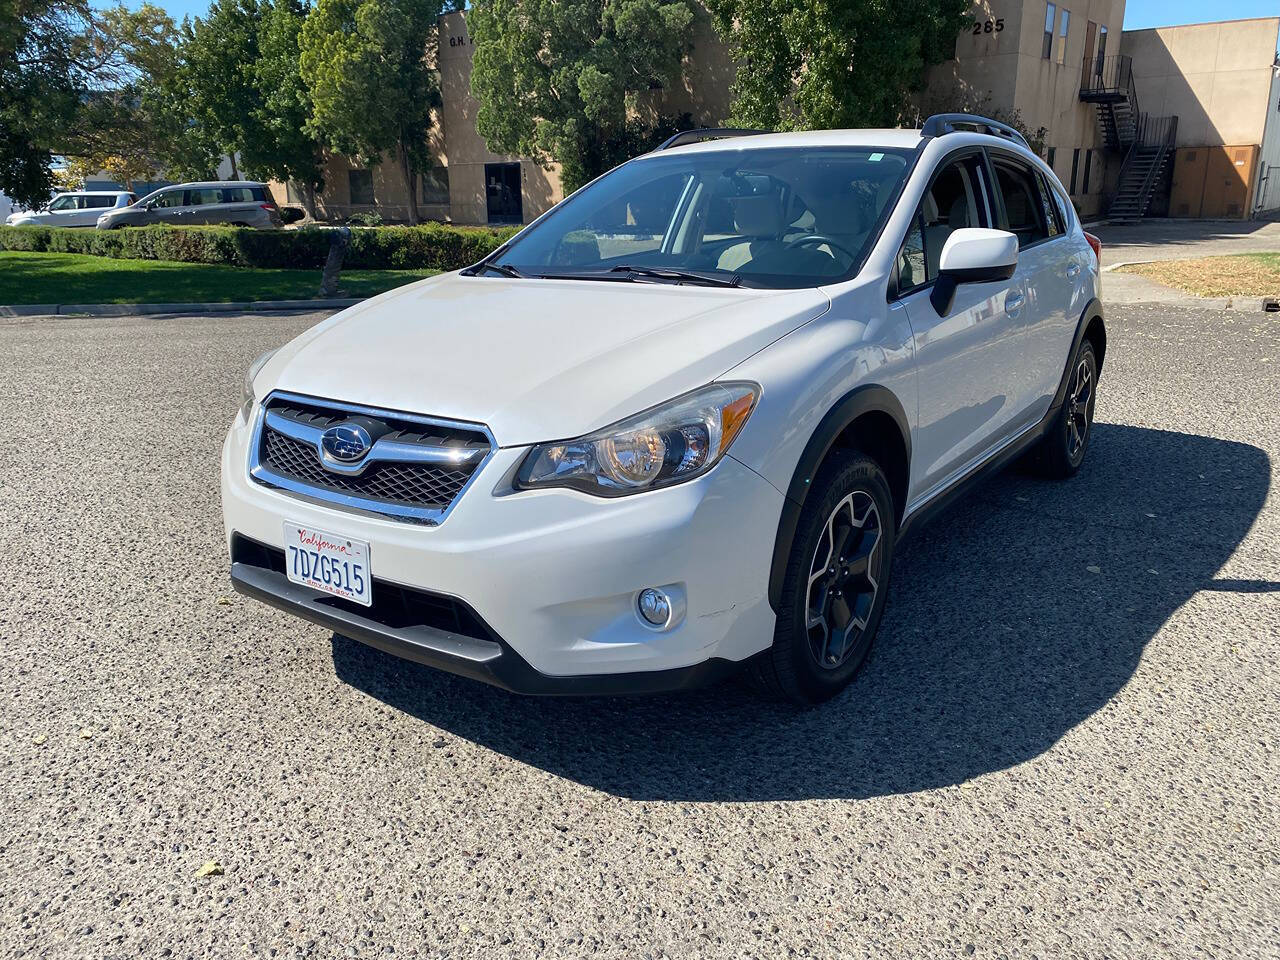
328	562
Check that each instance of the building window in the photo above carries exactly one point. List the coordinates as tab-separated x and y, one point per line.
1064	20
1088	162
1102	44
360	184
435	185
1053	153
1075	167
1050	14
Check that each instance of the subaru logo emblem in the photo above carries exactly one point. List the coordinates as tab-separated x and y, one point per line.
346	442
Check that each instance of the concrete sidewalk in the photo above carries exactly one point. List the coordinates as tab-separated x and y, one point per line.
1183	239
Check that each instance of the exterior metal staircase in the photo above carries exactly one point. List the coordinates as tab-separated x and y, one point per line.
1144	167
1147	142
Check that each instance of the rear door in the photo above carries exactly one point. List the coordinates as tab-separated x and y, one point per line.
966	373
90	208
1049	270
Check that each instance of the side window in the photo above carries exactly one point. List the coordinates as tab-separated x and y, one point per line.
911	269
1052	218
200	198
953	202
237	194
1063	208
1023	210
96	202
170	198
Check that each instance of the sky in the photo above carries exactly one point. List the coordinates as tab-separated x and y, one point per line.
1138	14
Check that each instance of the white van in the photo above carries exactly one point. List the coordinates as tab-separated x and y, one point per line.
77	208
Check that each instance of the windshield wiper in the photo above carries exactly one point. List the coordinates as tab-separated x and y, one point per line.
505	269
682	276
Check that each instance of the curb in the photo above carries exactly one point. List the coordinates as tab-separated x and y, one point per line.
140	309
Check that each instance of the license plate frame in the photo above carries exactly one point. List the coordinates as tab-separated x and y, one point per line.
331	563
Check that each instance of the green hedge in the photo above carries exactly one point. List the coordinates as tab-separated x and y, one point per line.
432	246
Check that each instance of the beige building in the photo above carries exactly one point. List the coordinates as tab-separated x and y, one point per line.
1220	81
1177	120
1025	61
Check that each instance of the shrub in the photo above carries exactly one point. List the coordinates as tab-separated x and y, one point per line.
432	246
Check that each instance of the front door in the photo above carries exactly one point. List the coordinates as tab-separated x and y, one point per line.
502	193
1048	268
965	370
169	208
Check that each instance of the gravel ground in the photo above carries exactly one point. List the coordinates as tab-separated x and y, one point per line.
1064	746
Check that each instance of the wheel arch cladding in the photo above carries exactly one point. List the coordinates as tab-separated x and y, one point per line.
1096	333
870	419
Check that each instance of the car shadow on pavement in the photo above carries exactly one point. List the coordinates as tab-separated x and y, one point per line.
1012	619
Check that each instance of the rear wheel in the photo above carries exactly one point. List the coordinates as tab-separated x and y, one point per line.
1064	445
835	584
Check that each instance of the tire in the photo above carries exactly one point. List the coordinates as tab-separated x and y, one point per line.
811	662
1066	442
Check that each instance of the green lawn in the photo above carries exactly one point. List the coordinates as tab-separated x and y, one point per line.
75	278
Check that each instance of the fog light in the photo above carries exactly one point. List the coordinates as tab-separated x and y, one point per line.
654	606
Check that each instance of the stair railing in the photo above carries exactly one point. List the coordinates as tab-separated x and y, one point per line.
1157	132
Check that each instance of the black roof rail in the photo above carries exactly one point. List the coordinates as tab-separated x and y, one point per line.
944	123
706	133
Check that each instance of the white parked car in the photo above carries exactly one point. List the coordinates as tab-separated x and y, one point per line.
77	208
682	421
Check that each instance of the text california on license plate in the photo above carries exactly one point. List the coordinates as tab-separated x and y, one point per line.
328	562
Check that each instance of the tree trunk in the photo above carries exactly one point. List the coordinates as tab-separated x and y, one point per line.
410	182
338	241
309	199
235	171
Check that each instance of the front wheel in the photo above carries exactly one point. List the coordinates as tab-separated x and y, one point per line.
835	584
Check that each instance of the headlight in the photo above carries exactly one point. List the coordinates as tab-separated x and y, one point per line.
668	444
246	395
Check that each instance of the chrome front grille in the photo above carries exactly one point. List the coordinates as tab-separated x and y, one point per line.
415	470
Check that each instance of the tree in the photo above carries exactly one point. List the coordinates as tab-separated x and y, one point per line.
829	65
277	144
219	51
46	56
136	123
557	80
372	90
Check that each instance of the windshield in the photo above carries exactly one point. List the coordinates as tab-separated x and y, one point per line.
782	217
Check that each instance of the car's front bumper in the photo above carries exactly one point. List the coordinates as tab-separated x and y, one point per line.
551	575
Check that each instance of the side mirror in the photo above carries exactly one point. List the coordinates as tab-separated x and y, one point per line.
973	255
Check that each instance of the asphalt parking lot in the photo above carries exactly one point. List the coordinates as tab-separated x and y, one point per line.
1065	744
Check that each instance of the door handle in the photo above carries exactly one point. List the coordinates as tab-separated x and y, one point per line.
1073	271
1013	303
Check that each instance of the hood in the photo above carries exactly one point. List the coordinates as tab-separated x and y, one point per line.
535	360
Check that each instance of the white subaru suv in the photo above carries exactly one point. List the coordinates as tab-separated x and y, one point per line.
682	421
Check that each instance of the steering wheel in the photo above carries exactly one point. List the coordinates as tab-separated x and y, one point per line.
817	239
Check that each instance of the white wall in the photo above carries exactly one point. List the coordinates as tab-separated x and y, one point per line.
1268	197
